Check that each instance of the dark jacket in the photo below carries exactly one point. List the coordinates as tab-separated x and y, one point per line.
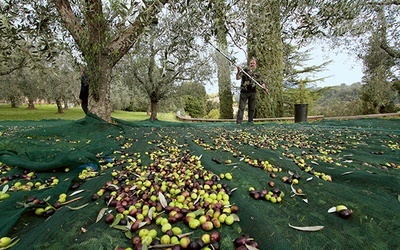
247	84
84	93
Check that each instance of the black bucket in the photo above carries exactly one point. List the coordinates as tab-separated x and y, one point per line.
300	112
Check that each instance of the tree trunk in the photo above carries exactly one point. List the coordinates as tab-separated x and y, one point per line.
31	105
13	102
100	89
65	104
224	79
265	45
59	106
153	110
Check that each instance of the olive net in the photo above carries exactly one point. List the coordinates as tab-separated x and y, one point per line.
88	184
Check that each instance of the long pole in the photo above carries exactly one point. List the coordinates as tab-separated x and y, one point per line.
241	70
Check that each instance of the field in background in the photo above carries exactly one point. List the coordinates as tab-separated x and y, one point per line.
49	112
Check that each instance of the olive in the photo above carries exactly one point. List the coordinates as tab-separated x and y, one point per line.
345	213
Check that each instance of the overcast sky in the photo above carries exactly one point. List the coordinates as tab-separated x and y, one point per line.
343	69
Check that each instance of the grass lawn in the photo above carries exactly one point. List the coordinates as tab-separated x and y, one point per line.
49	111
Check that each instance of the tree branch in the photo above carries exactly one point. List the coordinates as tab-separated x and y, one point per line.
124	42
390	51
71	21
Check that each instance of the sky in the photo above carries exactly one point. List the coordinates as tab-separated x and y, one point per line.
343	69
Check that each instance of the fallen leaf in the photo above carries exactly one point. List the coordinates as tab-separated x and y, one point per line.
162	246
128	234
346	173
308	229
77	192
332	210
197	200
184	235
109	202
73	200
77	208
121	227
131	218
117	219
294	190
250	247
113	185
162	199
101	214
142	224
84	230
233	189
5	189
235	217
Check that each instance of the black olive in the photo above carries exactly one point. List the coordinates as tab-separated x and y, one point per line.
345	213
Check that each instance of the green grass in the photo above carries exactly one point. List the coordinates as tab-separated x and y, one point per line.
49	112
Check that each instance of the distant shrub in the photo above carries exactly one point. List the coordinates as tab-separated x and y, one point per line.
213	114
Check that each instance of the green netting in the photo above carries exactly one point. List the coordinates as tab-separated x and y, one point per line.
360	157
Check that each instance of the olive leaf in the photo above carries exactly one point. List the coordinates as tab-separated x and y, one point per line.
346	173
113	185
251	247
5	189
101	214
162	199
199	211
162	246
121	227
77	208
109	202
142	224
184	235
294	190
235	217
73	200
308	229
130	218
77	192
128	234
197	200
332	210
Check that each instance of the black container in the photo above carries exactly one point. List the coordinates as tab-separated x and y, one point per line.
300	112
